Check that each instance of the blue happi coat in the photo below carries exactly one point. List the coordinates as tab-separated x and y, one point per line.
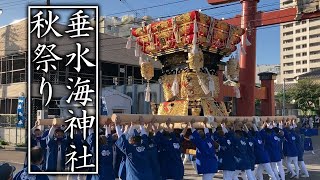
291	144
106	161
226	159
273	144
152	150
136	160
300	145
206	160
250	149
241	152
52	144
260	153
171	165
23	174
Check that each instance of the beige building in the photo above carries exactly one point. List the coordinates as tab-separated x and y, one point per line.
300	45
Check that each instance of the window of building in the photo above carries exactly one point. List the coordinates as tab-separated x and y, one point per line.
304	70
304	54
288	33
314	36
288	49
297	23
314	60
287	41
298	39
298	47
288	64
304	37
298	54
287	25
298	62
288	56
287	2
314	44
304	45
298	70
290	79
314	69
314	28
304	22
298	31
288	72
13	68
304	62
304	30
314	52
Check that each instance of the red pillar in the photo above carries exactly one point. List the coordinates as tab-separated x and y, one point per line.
268	105
246	104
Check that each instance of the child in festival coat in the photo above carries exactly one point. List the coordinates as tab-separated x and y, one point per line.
226	159
171	165
205	154
136	155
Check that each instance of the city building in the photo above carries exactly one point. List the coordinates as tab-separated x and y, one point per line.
299	43
275	68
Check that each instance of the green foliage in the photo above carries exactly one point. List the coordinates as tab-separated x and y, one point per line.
306	94
2	142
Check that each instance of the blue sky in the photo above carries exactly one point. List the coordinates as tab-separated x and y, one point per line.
268	38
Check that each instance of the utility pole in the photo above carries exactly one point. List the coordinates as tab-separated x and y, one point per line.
46	75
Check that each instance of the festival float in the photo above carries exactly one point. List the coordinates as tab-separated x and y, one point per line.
190	48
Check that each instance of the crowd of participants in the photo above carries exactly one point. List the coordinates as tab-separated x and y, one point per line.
154	151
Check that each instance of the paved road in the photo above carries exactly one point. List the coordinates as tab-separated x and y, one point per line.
16	158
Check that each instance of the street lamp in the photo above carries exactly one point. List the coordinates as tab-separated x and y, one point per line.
283	97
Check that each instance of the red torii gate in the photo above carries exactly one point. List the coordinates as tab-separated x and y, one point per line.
250	20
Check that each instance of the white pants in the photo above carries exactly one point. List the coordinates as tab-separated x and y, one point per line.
228	175
267	168
277	168
295	163
303	168
207	176
248	172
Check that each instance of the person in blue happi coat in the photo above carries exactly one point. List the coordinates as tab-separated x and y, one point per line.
226	159
250	145
206	160
291	148
36	161
171	165
136	155
308	132
57	148
300	146
106	156
261	155
273	146
241	151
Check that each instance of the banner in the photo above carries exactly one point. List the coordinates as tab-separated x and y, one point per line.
20	112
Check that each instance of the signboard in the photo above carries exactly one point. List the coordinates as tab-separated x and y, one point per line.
20	112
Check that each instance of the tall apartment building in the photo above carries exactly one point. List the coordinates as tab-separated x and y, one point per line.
300	46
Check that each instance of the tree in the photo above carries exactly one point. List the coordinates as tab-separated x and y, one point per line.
306	95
